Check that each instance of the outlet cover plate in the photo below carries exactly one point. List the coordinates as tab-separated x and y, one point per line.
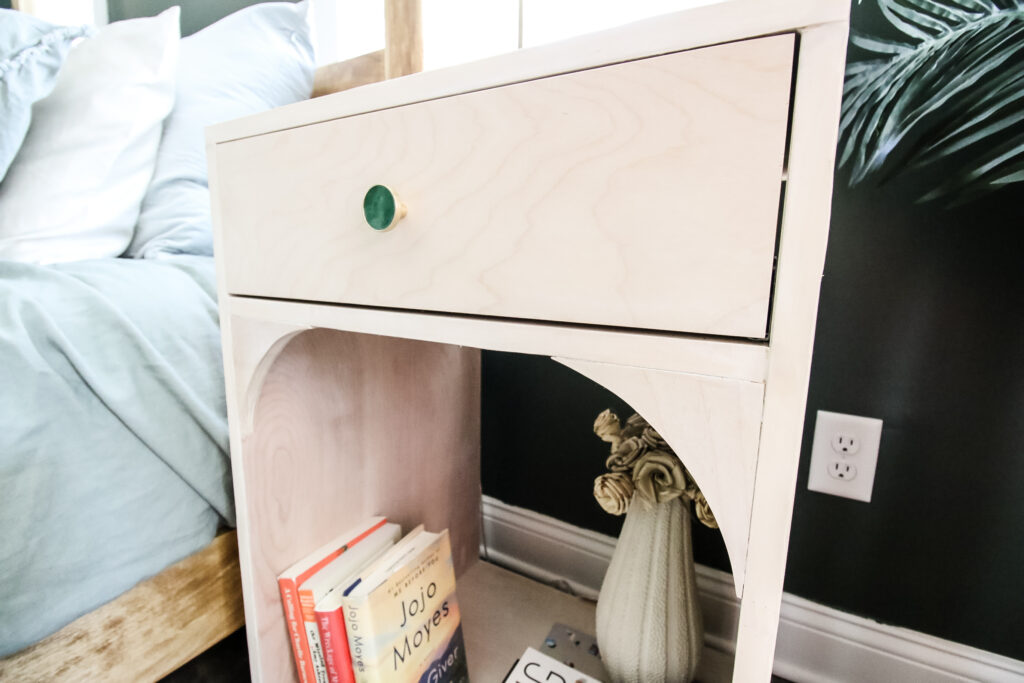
824	455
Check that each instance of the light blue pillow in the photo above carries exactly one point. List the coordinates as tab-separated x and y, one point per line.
31	52
255	59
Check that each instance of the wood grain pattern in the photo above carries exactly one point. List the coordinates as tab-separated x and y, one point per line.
712	424
253	360
711	25
346	426
351	73
309	392
629	171
403	37
147	632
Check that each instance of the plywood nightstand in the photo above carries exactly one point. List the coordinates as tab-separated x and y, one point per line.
648	206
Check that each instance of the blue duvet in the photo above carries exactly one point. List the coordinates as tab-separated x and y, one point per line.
113	437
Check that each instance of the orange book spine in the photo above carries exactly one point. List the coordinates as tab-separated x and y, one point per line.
297	630
294	612
316	653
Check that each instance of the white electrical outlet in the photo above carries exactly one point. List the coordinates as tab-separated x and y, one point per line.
844	455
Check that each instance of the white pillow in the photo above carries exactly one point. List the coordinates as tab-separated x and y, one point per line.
255	59
74	189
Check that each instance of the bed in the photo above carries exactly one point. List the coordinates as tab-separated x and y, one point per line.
118	559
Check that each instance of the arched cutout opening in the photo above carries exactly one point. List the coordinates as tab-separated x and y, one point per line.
539	451
712	424
349	425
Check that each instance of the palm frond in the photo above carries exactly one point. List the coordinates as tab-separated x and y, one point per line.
1003	165
951	85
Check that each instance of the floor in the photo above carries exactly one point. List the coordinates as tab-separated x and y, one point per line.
225	662
228	662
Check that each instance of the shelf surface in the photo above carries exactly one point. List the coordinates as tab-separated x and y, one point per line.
503	613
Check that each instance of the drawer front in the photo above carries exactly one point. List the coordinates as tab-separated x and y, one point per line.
642	194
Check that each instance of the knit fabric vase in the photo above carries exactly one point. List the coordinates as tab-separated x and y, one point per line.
649	626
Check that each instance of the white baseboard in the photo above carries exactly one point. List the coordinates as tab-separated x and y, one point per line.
816	643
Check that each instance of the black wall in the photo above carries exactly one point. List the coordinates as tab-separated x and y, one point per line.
539	450
920	324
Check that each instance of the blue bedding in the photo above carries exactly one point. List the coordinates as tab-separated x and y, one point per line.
113	438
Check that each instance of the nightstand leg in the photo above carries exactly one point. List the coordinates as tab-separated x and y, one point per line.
808	202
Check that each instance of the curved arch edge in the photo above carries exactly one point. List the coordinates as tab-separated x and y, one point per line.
713	424
252	360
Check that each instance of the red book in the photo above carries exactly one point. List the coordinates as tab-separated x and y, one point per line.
292	578
330	619
338	573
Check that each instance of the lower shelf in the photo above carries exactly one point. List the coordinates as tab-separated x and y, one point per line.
503	613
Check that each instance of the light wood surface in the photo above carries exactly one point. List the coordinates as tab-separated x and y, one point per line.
504	613
147	632
351	73
325	370
632	169
804	236
264	341
713	357
711	25
403	37
346	426
712	424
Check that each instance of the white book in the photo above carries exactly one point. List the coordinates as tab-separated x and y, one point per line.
315	588
537	666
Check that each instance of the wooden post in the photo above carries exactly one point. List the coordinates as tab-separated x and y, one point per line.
403	38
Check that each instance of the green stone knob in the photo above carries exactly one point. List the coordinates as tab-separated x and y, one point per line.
382	208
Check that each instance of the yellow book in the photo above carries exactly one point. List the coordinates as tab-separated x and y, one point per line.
403	618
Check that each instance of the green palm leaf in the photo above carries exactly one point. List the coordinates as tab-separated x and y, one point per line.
951	84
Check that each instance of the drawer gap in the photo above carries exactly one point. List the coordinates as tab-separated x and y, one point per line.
775	260
669	334
785	181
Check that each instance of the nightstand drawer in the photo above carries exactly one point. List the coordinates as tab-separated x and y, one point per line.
642	194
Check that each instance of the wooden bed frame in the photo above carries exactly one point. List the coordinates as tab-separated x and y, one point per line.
168	619
147	632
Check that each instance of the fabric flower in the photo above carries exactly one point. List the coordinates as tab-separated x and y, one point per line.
654	440
613	491
658	477
607	428
703	510
634	426
625	454
642	462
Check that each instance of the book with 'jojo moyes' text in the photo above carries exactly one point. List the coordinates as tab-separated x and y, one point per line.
402	615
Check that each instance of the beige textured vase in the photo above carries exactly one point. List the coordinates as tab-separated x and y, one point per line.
649	626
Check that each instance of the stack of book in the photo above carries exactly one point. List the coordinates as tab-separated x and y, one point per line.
373	606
